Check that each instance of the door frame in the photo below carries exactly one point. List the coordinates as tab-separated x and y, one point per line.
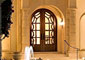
55	29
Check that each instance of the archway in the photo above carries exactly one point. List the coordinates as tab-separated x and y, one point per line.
60	29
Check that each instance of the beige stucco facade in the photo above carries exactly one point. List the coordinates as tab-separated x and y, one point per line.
70	11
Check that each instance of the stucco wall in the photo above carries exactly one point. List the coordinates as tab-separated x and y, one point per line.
30	6
19	33
20	30
79	14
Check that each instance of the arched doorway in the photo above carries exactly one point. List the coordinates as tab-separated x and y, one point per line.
43	31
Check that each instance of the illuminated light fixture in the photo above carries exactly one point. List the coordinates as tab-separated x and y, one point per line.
83	58
62	23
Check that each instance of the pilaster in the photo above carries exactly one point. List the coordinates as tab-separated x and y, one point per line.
72	31
71	27
25	28
19	26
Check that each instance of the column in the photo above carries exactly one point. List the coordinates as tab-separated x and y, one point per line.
71	27
19	26
25	28
71	31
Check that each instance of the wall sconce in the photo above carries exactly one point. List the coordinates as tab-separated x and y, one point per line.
83	58
61	23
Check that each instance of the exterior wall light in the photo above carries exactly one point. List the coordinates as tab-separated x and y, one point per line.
83	58
61	23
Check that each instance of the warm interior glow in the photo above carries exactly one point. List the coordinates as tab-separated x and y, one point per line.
49	28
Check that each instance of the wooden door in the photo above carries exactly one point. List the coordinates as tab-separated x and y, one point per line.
43	31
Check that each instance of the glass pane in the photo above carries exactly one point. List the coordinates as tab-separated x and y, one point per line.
51	41
38	33
33	26
47	27
47	13
38	27
33	34
47	41
37	16
38	20
47	16
46	20
38	40
37	13
33	41
51	33
32	19
52	19
51	27
46	33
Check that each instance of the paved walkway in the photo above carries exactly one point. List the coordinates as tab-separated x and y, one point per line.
52	56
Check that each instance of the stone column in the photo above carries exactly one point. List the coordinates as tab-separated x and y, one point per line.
19	26
71	27
72	31
25	28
